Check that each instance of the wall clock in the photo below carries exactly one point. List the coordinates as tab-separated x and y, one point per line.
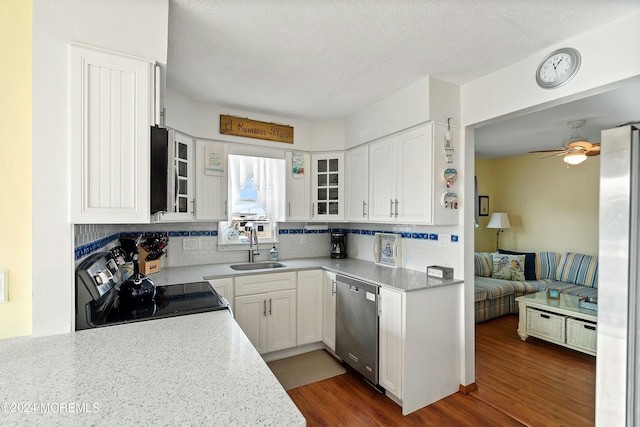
558	68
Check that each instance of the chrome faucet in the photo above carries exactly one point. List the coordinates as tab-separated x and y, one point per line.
253	240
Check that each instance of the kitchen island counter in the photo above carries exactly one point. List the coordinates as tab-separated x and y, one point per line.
186	370
399	279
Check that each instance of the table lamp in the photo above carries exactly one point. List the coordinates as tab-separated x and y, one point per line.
499	220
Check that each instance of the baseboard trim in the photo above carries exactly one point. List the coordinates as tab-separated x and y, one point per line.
466	389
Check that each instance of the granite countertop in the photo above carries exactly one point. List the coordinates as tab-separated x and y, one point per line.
186	370
400	279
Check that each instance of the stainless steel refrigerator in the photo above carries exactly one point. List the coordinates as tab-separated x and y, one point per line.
618	355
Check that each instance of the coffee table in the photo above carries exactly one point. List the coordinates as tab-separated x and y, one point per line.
561	321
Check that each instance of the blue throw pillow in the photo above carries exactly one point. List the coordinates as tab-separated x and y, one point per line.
529	263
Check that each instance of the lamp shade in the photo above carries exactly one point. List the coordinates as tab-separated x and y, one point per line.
499	220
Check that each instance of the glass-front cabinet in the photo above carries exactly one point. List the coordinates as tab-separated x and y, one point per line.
328	187
181	179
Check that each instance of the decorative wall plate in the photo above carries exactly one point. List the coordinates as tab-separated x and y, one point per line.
449	200
387	249
449	176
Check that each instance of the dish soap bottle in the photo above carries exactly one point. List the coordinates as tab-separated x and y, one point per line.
273	253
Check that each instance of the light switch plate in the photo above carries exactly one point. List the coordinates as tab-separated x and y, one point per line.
4	286
444	239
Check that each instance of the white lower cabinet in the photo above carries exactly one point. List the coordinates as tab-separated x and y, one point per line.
390	342
265	309
329	309
224	288
419	349
309	306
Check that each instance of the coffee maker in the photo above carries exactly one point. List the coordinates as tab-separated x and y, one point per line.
338	245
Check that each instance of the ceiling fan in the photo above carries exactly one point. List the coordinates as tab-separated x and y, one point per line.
576	148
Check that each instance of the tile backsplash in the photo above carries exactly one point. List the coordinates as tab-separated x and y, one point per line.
422	245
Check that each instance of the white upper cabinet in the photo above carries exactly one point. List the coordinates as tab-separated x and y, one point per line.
298	207
414	177
357	186
404	178
211	181
111	112
382	181
327	189
180	179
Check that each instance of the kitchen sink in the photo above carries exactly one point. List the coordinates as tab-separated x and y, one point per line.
257	266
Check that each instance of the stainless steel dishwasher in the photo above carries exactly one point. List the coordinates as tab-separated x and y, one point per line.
357	326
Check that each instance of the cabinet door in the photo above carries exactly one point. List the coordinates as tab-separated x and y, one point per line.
110	120
281	320
224	288
390	327
309	306
357	184
180	180
414	175
251	315
328	187
382	181
211	181
298	190
329	309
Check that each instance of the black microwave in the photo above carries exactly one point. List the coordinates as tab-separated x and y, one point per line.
159	169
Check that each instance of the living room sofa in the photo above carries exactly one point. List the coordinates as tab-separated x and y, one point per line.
571	273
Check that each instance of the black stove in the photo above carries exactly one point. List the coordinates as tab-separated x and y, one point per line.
98	280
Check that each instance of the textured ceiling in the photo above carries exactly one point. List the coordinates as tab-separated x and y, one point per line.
324	59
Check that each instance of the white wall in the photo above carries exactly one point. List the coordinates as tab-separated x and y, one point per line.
139	28
610	54
203	121
427	99
405	108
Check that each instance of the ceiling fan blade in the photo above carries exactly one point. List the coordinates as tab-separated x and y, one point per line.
559	153
549	151
594	150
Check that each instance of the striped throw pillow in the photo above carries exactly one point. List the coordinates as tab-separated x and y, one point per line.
483	264
547	265
579	269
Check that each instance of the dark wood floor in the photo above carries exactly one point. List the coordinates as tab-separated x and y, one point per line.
530	383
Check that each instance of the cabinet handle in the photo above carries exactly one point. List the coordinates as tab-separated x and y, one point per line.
193	206
364	209
265	308
313	209
225	206
270	306
334	285
289	207
545	316
593	328
391	208
396	208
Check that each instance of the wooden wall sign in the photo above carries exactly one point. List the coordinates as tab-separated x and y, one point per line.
237	126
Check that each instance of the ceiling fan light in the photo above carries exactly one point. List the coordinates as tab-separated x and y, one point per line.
575	158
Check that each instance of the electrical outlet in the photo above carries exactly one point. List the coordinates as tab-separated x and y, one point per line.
190	244
4	286
303	239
